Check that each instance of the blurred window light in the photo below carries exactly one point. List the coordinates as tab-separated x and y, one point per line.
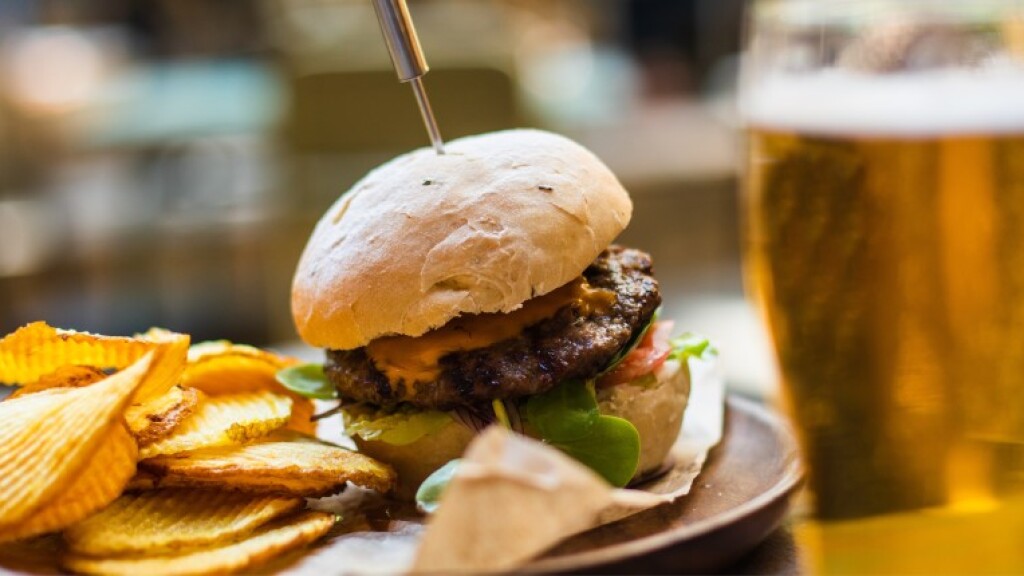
51	69
28	236
579	85
566	78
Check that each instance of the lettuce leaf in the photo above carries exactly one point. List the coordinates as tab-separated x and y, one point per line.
567	417
689	345
401	427
307	380
428	495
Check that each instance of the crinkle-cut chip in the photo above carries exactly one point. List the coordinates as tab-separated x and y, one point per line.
33	556
284	462
48	438
223	420
168	366
36	350
268	541
63	377
170	520
234	370
202	350
142	481
157	418
222	367
302	415
99	484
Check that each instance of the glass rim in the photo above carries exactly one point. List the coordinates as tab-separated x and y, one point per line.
853	13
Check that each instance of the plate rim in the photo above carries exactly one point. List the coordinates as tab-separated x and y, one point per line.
788	482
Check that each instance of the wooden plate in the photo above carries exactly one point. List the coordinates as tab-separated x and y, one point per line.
739	498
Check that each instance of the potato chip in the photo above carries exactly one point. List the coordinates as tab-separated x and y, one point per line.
156	418
37	350
210	348
63	377
169	520
99	484
227	419
302	415
284	462
221	367
172	351
34	556
49	436
142	481
269	541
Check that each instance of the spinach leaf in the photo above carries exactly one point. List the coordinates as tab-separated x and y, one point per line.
307	380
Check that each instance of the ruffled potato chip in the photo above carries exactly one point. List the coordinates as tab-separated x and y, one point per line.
170	520
142	481
268	541
157	418
224	420
172	351
104	478
33	556
221	367
63	377
49	437
37	350
302	415
284	462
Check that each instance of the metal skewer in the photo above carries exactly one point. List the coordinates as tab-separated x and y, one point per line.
410	64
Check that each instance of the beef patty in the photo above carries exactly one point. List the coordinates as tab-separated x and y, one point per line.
568	345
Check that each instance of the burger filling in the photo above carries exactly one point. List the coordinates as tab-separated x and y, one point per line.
574	332
538	370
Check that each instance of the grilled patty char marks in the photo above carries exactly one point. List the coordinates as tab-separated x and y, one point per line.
565	346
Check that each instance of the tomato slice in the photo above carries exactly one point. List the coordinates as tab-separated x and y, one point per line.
645	358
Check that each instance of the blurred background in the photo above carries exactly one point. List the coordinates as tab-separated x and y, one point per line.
162	162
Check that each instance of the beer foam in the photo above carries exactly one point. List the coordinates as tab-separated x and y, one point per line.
913	104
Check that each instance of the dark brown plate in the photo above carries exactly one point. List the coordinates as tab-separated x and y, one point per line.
739	498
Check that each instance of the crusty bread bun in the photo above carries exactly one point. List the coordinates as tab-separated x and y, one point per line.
656	409
498	219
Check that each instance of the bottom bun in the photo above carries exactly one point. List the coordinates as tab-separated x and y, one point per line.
656	409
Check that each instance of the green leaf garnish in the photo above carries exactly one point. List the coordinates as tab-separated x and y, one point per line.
612	449
428	496
307	380
566	412
567	417
689	345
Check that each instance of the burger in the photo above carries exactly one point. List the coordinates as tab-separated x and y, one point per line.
481	287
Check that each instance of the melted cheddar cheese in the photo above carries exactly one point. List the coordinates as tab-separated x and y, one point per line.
408	359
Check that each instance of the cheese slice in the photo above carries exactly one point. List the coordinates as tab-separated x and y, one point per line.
408	359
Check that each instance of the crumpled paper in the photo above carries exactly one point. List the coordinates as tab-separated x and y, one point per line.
512	499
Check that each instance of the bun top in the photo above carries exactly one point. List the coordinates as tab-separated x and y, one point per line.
498	219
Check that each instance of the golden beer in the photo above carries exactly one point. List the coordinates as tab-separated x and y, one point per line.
884	243
890	269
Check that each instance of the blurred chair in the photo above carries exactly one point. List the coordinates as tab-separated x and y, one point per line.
341	124
369	111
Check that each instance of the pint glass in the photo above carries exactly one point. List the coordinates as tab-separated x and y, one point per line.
884	224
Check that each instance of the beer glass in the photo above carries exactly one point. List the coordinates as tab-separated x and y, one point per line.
884	244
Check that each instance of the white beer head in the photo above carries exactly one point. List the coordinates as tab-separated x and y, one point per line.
913	104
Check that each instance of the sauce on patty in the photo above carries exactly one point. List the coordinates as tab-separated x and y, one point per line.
408	359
